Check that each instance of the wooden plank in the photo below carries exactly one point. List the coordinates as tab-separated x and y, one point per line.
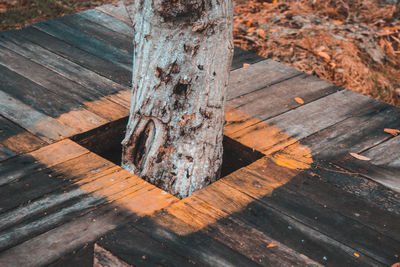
87	43
89	61
107	21
41	125
32	94
217	224
289	200
63	110
321	188
80	257
241	57
383	166
256	245
100	32
279	98
58	179
129	245
60	65
103	258
16	140
72	235
106	192
116	10
179	236
47	156
6	153
257	76
363	134
322	113
355	134
52	245
284	227
362	239
356	184
288	128
56	198
76	94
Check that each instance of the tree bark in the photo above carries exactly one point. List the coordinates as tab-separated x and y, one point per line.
182	56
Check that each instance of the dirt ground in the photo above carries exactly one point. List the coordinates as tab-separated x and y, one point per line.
354	44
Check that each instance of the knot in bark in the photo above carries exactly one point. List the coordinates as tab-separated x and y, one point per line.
182	11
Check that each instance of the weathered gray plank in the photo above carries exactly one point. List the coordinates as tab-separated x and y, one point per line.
107	21
355	134
52	186
322	113
71	235
279	98
62	240
104	258
384	166
65	110
129	245
16	140
87	43
241	57
364	134
348	231
89	61
75	207
45	157
81	98
283	130
257	76
16	43
43	126
280	225
100	32
116	10
179	236
235	233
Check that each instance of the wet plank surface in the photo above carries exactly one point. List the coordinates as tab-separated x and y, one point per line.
305	202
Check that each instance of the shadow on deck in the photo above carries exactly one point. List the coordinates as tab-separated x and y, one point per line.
301	200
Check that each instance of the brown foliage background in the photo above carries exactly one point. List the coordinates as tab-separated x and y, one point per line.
354	44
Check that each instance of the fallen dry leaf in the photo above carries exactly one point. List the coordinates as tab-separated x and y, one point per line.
324	55
261	33
360	157
299	100
245	65
271	245
249	23
394	132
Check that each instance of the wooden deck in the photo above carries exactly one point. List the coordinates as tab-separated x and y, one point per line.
306	201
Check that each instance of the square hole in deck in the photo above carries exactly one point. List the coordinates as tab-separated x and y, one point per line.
106	142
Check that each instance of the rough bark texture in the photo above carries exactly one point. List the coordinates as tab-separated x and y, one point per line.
183	52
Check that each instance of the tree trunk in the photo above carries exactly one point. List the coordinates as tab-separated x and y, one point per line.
182	55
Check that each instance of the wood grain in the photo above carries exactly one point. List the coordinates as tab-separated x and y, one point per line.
87	60
116	10
16	139
100	32
87	43
257	76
